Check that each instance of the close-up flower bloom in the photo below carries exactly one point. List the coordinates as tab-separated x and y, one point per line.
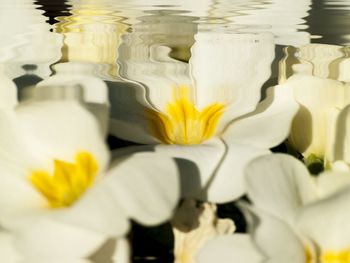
60	196
320	85
174	131
308	214
208	112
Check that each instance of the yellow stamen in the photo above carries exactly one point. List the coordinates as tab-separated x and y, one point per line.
69	180
182	123
308	255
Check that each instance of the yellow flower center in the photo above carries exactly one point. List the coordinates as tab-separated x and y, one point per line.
182	123
330	256
68	182
342	256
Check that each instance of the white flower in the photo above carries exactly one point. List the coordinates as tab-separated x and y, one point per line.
310	211
338	152
59	195
296	218
206	111
317	74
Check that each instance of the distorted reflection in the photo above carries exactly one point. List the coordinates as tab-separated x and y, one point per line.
189	103
211	102
24	35
318	74
180	96
92	33
329	20
159	46
285	19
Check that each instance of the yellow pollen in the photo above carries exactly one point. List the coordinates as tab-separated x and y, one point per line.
68	182
182	123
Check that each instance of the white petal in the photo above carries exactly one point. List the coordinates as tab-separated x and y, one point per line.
13	153
146	185
47	239
269	124
197	164
100	210
16	194
340	166
17	197
228	249
59	130
8	250
228	183
122	251
331	182
272	235
49	130
317	97
327	221
229	68
279	185
341	137
8	91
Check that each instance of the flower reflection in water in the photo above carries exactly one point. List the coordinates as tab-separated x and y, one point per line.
186	80
92	33
318	75
24	35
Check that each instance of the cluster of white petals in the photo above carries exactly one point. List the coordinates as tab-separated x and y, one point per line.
89	198
294	217
196	110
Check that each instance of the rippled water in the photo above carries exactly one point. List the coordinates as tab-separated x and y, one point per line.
134	39
43	33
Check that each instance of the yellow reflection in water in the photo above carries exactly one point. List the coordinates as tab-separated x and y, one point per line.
92	33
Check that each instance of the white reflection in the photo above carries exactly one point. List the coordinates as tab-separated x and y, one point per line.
26	38
92	33
318	75
135	8
285	19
